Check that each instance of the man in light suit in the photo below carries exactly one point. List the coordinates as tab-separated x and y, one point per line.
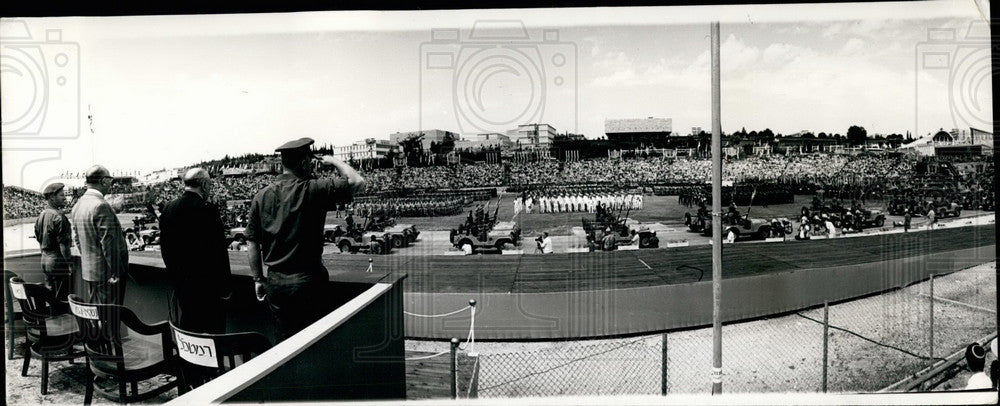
101	241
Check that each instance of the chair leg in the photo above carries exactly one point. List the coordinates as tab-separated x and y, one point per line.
135	388
45	376
27	360
122	395
88	396
10	343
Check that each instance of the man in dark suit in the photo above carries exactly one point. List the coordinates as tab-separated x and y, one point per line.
193	245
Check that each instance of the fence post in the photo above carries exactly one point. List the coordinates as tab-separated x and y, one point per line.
826	341
932	316
663	367
454	364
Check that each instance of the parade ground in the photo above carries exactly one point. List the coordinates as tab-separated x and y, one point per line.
762	353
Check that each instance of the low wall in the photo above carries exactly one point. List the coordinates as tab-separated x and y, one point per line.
354	353
612	312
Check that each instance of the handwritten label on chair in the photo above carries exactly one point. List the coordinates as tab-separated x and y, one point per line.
196	350
86	312
17	290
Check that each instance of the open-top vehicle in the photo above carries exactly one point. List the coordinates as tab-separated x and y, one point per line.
742	228
503	235
357	241
872	218
236	234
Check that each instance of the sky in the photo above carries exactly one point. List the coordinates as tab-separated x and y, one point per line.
169	91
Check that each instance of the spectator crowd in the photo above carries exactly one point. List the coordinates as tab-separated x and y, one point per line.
862	177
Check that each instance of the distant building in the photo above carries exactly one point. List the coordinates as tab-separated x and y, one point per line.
972	136
650	129
370	148
570	137
797	144
487	140
954	142
429	136
533	136
160	176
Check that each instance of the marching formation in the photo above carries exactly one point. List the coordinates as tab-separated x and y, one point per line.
565	202
408	207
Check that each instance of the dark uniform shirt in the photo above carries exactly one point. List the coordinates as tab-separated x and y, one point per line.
287	219
52	229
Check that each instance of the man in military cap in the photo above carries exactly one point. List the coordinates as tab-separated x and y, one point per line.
101	241
193	246
53	232
285	233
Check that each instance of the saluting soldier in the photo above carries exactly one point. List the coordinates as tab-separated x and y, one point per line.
285	233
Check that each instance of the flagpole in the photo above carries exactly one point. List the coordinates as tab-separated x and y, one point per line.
716	215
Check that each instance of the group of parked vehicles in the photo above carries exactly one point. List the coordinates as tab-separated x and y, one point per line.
377	236
941	207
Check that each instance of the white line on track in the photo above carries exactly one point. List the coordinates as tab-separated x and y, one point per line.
644	263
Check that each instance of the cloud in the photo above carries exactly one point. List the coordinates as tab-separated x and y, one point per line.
852	47
784	86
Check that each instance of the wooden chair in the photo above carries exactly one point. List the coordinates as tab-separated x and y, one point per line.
128	355
50	329
12	314
206	356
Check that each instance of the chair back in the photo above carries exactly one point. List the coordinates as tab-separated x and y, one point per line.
9	299
39	307
209	355
101	328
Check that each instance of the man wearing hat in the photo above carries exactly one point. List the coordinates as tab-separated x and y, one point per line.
285	233
194	249
53	232
99	236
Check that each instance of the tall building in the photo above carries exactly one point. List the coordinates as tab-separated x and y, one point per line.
533	136
429	137
367	149
648	129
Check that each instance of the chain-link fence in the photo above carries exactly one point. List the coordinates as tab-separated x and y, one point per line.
617	367
862	345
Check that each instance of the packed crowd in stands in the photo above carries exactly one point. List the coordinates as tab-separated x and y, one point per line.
434	177
20	203
848	177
